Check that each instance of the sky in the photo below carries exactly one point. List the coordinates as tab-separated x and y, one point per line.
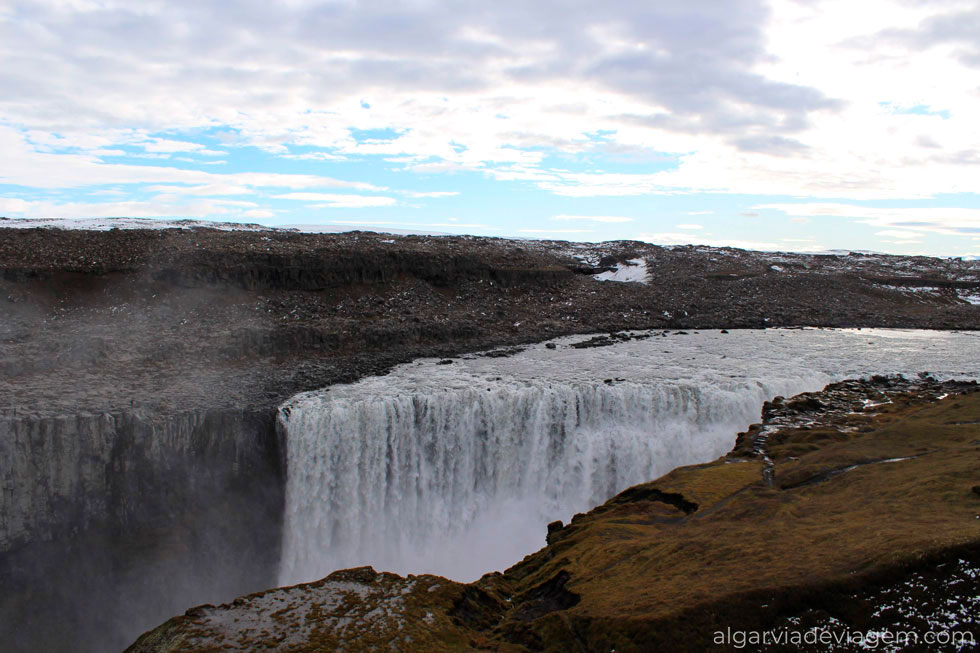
778	125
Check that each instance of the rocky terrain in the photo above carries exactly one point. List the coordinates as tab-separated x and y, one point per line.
852	511
140	371
199	318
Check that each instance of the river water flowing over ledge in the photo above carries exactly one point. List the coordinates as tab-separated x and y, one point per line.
456	468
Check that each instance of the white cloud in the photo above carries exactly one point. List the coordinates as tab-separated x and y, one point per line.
690	226
336	200
679	238
898	233
170	146
259	214
432	194
389	223
202	189
314	156
22	165
730	90
590	184
555	231
461	225
594	218
506	86
157	208
939	220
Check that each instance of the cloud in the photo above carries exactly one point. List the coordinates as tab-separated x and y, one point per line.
939	220
701	97
23	165
690	226
678	238
594	218
202	189
464	87
389	223
898	233
336	200
555	231
769	144
432	194
314	156
956	29
259	214
170	146
178	64
589	184
157	208
461	225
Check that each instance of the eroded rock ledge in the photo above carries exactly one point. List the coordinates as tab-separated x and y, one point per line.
854	509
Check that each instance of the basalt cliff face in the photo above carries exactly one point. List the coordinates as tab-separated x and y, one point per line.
108	518
140	370
849	514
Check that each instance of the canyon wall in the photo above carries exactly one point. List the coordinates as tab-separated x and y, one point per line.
109	519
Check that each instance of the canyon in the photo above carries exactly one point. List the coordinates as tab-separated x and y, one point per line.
144	454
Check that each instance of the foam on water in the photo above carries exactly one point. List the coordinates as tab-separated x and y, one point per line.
456	469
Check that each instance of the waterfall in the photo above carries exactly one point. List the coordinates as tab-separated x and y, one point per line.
456	469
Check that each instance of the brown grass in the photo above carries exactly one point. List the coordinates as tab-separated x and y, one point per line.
648	563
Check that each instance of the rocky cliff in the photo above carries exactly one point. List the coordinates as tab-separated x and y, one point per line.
96	508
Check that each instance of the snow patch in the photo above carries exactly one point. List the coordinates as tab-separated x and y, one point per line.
632	271
970	296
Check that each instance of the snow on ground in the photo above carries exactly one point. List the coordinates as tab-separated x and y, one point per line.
632	271
971	296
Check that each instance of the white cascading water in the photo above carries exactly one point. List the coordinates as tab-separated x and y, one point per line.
455	469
